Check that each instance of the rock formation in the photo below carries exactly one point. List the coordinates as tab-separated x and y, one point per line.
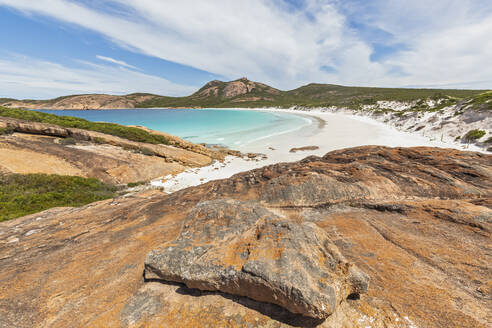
416	221
241	89
36	148
305	148
243	249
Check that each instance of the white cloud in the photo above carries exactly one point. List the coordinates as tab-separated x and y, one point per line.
115	61
22	77
448	41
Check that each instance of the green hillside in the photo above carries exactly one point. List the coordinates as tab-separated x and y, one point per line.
245	93
311	95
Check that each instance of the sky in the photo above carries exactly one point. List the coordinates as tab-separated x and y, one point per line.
51	48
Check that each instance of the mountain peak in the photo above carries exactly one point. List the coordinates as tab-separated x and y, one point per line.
236	89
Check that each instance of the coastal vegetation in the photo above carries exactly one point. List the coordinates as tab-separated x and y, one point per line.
245	93
4	131
135	184
130	133
68	141
23	194
474	135
483	99
214	94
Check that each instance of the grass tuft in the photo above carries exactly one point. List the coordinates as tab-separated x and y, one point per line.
473	135
6	131
23	194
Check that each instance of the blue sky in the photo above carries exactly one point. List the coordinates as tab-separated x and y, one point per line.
58	47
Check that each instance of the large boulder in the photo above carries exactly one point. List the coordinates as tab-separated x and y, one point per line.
243	249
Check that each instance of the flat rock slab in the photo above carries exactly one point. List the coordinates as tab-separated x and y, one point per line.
243	249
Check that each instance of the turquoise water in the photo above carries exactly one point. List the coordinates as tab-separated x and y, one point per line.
232	128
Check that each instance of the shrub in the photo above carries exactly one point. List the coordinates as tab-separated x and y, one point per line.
134	184
23	194
6	131
68	141
147	151
98	140
473	135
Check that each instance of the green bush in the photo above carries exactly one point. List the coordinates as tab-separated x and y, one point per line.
5	131
134	184
130	133
147	151
482	98
473	135
98	140
23	194
68	141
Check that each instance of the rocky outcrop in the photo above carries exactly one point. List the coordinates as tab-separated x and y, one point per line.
77	102
416	221
305	148
185	144
243	249
39	148
241	90
170	153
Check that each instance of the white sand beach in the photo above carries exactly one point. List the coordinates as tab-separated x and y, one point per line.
328	131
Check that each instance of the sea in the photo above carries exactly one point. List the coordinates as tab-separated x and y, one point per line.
226	127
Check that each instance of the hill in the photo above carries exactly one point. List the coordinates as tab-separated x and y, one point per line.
245	93
87	101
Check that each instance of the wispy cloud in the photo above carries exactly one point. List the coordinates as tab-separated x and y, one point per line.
22	77
363	43
115	61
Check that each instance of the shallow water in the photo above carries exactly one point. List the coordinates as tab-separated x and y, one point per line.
232	128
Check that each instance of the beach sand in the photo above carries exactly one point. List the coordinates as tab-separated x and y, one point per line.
328	131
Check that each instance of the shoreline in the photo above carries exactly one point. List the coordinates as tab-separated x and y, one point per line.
328	131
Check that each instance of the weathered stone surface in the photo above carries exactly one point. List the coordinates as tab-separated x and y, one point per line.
243	249
305	148
425	246
36	149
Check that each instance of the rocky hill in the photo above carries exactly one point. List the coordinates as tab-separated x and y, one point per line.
245	93
89	101
362	237
240	90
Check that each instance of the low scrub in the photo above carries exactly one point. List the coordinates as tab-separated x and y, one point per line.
6	131
68	141
23	194
135	184
473	135
130	133
483	98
